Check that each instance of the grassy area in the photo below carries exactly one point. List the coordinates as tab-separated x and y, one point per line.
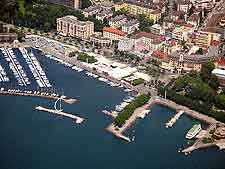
207	140
83	57
137	81
129	109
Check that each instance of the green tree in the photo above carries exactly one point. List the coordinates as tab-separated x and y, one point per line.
85	4
220	101
206	71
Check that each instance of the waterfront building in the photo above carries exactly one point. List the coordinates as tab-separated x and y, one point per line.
99	40
130	26
8	37
118	21
91	10
67	3
148	41
125	44
184	62
70	26
112	33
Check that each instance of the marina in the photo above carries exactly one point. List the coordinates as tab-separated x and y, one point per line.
15	66
152	140
3	76
35	68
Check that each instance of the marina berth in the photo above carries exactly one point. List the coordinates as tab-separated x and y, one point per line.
35	68
15	66
3	76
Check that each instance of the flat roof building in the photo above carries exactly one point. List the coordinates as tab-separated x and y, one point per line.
70	26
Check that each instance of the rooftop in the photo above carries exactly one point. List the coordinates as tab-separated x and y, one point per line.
112	30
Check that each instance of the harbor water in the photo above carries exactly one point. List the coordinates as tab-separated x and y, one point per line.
30	139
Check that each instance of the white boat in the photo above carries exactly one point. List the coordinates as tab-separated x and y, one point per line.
193	131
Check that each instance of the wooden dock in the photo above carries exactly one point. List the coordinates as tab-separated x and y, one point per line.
77	119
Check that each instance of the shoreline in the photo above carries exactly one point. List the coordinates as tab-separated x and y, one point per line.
119	132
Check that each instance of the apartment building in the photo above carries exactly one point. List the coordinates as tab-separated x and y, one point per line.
204	39
151	10
118	21
131	26
67	3
70	26
112	33
91	10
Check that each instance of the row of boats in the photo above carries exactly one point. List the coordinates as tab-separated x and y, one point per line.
15	66
3	76
78	69
122	105
29	92
36	69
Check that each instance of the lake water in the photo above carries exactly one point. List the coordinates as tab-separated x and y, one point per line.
30	139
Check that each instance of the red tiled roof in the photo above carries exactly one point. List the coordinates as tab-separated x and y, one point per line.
112	30
215	43
188	25
177	13
159	54
221	62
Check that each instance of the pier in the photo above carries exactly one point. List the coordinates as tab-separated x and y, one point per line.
174	119
118	132
77	119
32	94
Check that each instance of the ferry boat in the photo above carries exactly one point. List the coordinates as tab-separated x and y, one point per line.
193	131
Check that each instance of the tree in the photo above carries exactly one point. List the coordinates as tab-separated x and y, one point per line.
220	101
206	70
199	51
145	23
85	4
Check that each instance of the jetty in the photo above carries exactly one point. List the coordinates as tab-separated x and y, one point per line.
77	119
37	94
173	120
118	132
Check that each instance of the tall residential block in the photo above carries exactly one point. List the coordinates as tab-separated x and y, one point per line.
70	26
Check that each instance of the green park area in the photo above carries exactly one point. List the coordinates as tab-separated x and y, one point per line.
83	57
129	109
199	91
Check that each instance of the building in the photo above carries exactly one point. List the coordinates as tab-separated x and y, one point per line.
126	44
91	10
183	5
148	41
130	26
151	10
204	39
157	29
99	40
8	37
194	19
220	73
204	4
70	26
118	21
105	14
112	33
67	3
